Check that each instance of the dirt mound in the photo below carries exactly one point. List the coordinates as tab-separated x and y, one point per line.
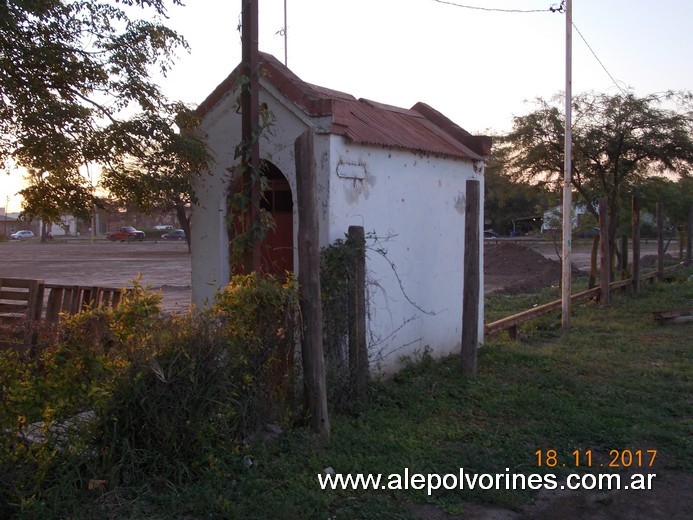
651	260
512	267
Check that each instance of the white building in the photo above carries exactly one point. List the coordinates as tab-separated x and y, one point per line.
400	173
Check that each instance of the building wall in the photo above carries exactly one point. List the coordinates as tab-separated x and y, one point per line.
414	205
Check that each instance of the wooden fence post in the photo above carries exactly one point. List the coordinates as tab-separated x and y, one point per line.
314	384
605	260
635	221
624	257
470	301
358	350
689	237
660	242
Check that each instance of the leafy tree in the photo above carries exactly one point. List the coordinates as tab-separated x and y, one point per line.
72	74
49	197
507	199
155	176
619	141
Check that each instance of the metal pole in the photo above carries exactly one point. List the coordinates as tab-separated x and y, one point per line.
286	39
567	199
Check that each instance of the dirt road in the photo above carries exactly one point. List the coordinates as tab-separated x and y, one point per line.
165	265
162	265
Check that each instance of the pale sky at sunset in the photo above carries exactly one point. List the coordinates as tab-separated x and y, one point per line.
477	67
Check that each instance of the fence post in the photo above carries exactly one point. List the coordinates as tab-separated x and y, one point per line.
605	260
358	350
635	220
660	242
689	237
470	301
314	384
624	257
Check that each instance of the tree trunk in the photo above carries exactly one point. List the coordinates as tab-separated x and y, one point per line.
183	221
593	262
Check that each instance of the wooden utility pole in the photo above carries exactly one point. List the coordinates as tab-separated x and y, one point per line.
470	300
314	384
250	123
689	237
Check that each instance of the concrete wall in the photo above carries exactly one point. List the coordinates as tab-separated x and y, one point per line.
414	205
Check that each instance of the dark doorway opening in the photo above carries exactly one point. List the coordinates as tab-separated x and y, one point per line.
277	251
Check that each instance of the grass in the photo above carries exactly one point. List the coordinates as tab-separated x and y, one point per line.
618	380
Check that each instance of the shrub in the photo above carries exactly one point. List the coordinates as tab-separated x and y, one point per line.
165	396
255	315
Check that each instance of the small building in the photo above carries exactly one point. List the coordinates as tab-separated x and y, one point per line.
399	173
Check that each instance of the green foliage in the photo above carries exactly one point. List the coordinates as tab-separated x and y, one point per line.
619	142
257	316
337	279
72	74
137	398
507	199
617	381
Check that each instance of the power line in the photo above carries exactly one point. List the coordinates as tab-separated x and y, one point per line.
599	61
553	9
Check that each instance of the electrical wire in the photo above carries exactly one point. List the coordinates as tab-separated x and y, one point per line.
552	9
599	61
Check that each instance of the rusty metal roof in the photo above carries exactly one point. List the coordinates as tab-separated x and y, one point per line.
421	128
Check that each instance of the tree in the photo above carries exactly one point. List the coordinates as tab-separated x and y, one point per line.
72	73
507	200
156	175
619	141
49	197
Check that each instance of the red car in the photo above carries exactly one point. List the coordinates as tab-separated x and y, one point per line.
125	233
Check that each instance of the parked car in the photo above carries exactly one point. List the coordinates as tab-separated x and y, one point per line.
161	227
125	233
22	234
178	234
489	234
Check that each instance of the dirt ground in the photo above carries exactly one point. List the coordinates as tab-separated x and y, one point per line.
165	266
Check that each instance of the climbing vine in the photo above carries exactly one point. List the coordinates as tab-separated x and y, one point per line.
244	232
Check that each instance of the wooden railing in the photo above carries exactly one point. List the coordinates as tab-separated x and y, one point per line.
511	323
36	300
20	299
72	299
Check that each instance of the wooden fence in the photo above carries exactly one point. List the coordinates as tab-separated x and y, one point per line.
36	300
511	323
603	291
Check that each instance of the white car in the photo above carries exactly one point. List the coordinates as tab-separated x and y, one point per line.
22	234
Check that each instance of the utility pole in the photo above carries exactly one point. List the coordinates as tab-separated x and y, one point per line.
286	39
567	274
250	118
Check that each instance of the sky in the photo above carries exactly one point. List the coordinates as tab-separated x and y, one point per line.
479	68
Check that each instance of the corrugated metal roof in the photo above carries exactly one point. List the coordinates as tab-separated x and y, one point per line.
421	128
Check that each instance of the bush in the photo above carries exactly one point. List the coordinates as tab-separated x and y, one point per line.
164	395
